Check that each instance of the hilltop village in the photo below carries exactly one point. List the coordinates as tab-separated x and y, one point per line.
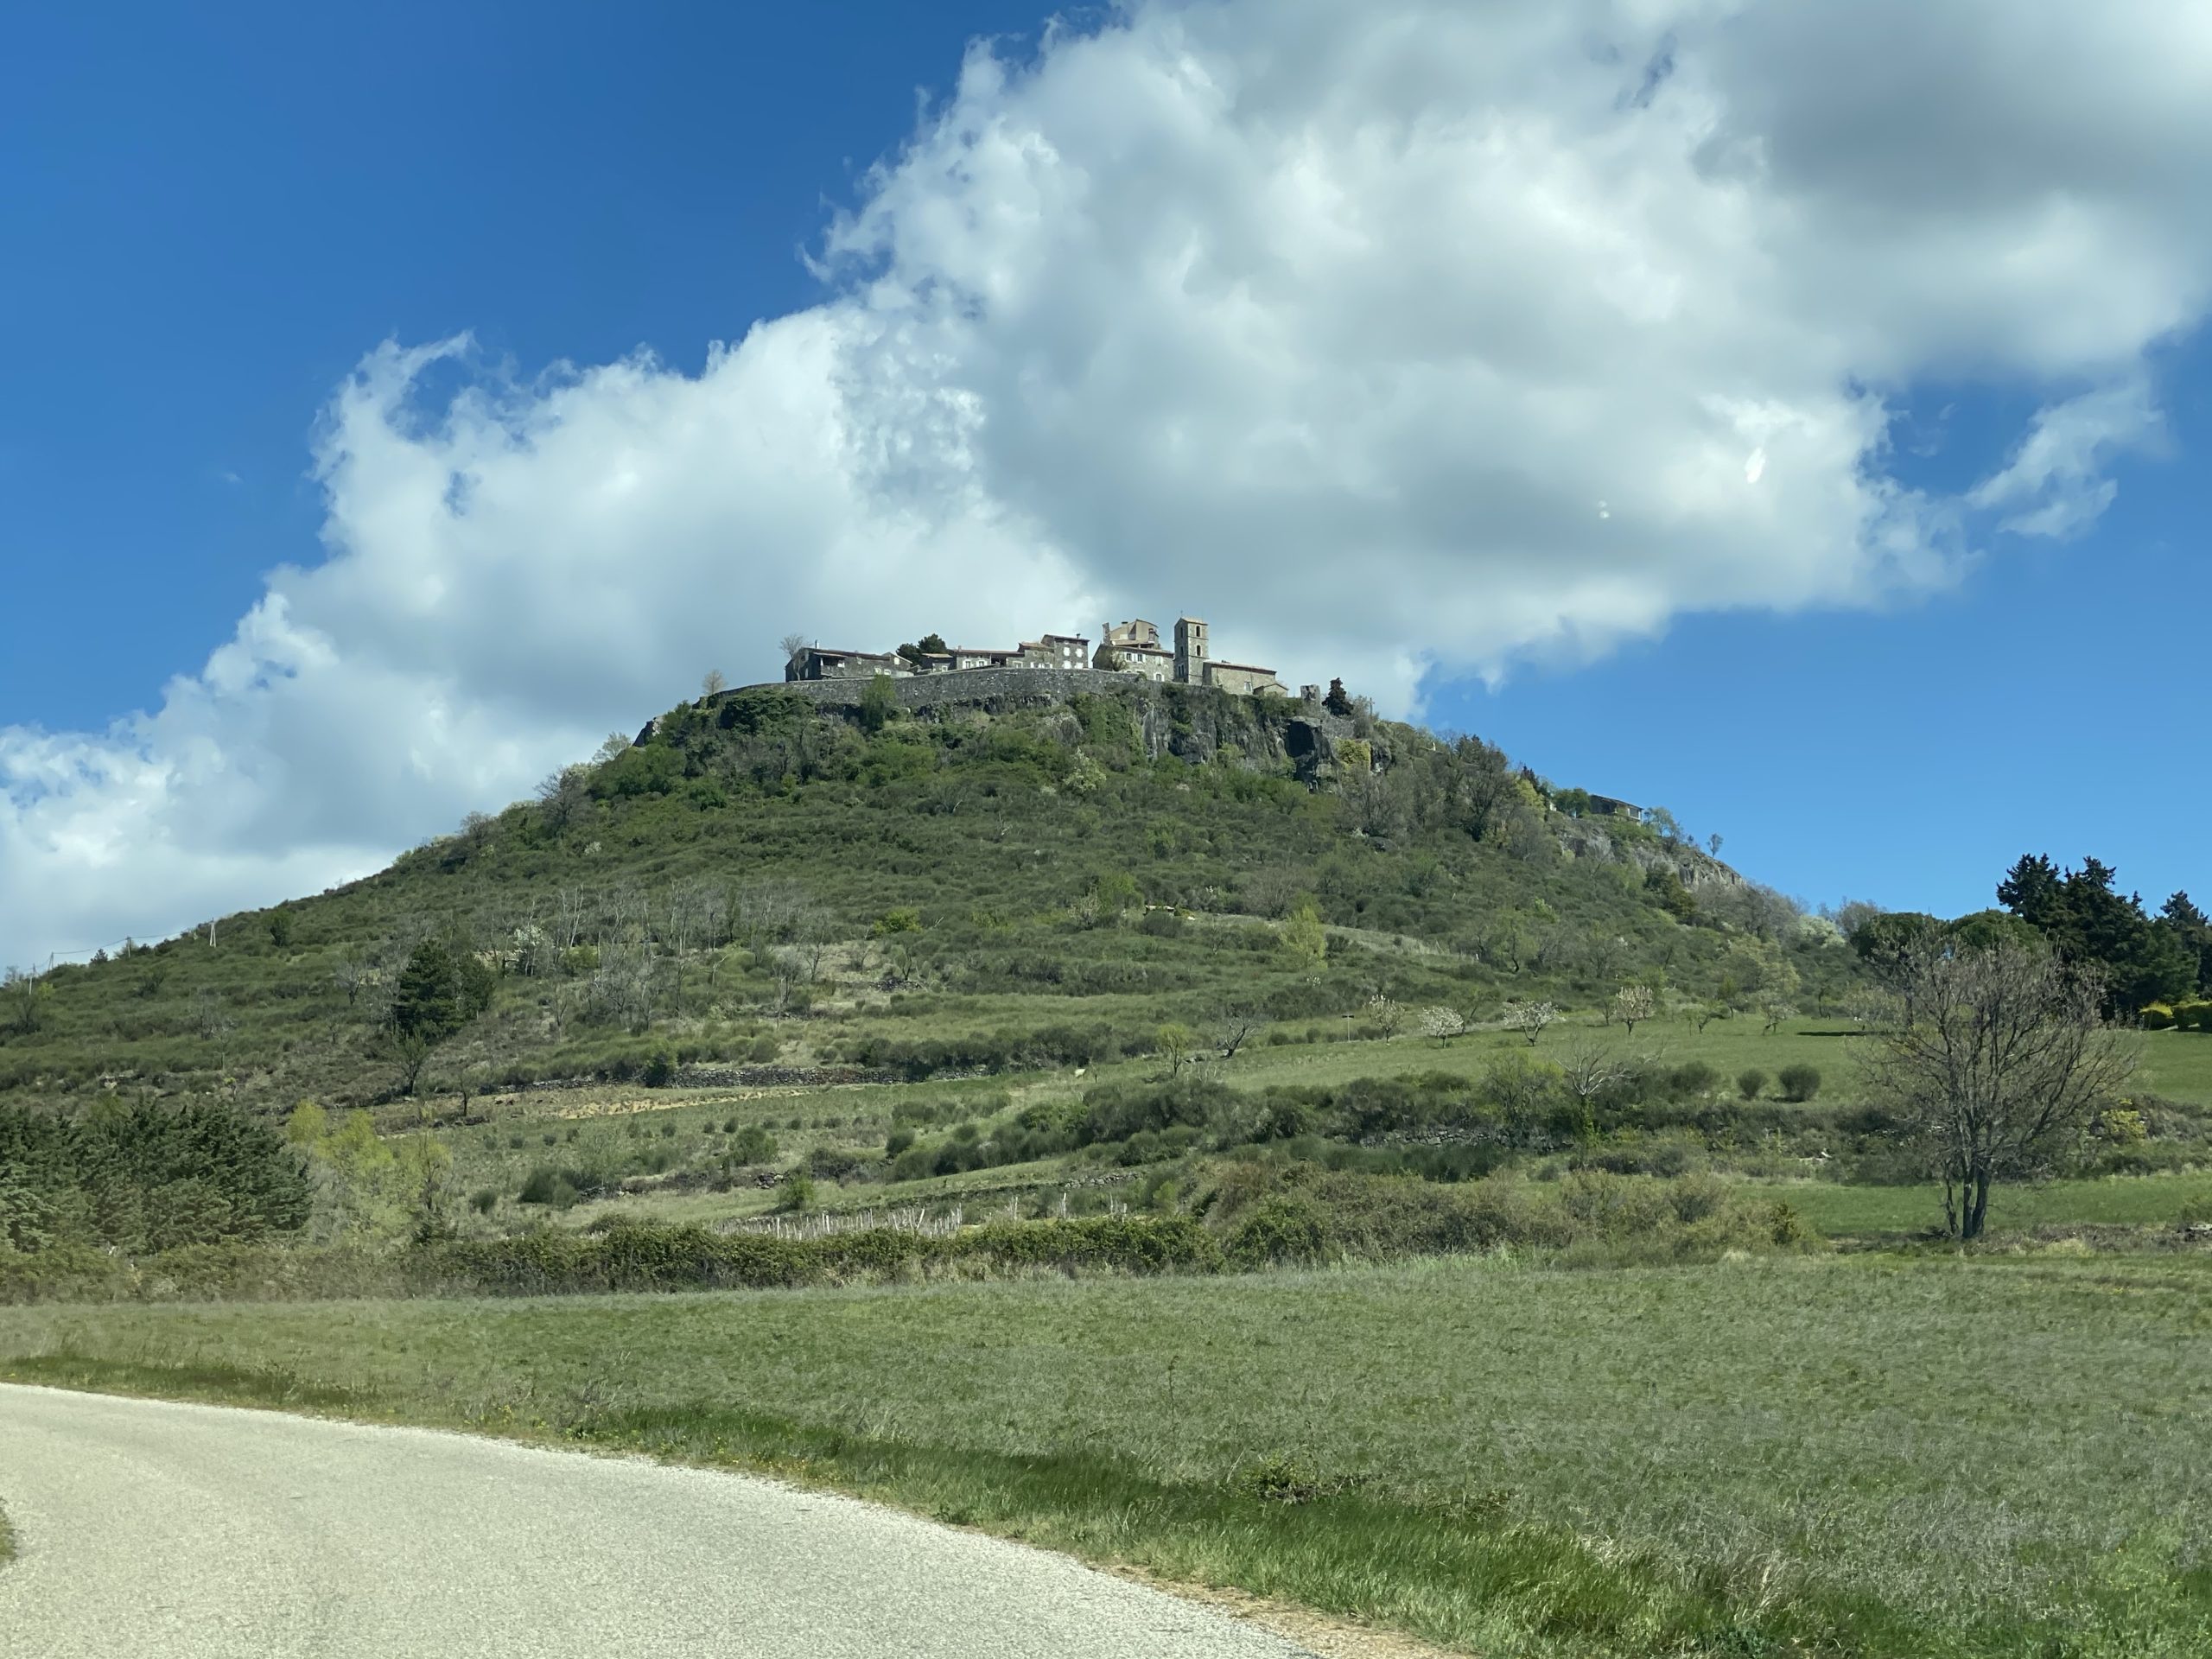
1133	648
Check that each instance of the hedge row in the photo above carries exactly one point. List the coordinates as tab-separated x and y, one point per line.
2192	1016
624	1257
646	1257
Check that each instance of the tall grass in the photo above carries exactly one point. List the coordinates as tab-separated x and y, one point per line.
1865	1456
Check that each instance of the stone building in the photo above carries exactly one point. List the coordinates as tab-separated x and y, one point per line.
1133	647
824	663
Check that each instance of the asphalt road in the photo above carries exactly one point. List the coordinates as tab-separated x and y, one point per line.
190	1532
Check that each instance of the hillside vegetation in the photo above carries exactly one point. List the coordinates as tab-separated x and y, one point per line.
1412	1190
763	883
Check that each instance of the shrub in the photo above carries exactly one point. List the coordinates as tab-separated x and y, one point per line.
903	920
484	1200
897	1141
660	1070
795	1194
545	1185
1749	1082
2194	1015
1799	1083
1693	1078
832	1163
1290	1227
2157	1017
753	1145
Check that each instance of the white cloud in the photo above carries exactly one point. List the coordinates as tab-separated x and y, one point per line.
1400	338
2054	484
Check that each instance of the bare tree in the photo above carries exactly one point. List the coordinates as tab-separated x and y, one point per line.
1272	891
1603	956
623	911
1233	1028
353	975
787	967
1501	944
563	798
710	914
534	955
713	685
710	907
1553	943
1998	1067
571	907
209	1017
792	644
767	910
622	988
1590	1069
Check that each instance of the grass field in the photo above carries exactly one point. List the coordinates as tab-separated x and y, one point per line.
2119	1200
1855	1456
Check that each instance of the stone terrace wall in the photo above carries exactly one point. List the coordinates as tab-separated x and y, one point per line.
986	687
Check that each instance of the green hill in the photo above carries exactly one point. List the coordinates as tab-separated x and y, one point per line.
818	880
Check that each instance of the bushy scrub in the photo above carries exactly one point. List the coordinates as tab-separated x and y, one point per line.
1799	1083
1284	1228
1290	1207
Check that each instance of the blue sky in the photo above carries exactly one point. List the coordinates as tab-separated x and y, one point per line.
216	221
217	214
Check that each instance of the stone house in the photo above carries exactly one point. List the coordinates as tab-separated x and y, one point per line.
826	662
1133	647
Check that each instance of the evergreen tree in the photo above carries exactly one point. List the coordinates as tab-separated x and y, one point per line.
2033	891
2086	918
426	1002
1338	701
443	987
2193	930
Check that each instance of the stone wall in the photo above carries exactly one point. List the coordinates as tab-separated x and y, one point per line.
983	688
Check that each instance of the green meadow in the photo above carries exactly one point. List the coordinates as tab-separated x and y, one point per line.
1863	1455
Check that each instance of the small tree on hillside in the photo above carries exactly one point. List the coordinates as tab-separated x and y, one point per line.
1441	1023
1174	1040
1998	1067
1338	701
25	996
1591	1071
713	685
878	703
352	974
1632	1003
442	988
1231	1029
1304	936
1531	1020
